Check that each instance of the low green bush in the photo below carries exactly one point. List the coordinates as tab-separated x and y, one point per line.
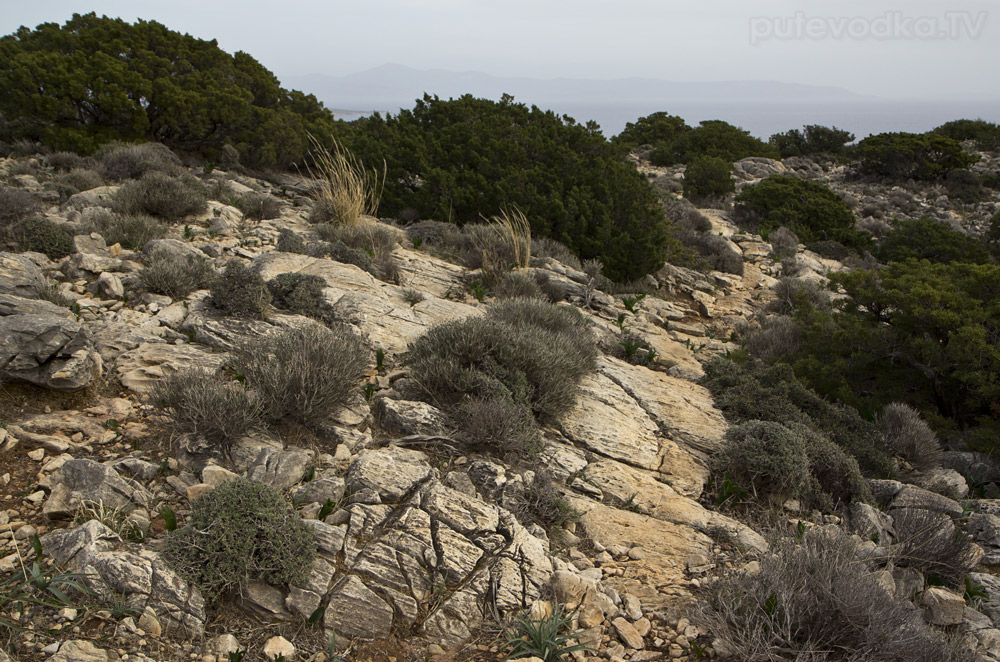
305	374
812	139
712	138
708	177
162	195
985	134
809	209
241	292
176	276
926	239
209	406
41	235
298	293
240	532
901	156
965	186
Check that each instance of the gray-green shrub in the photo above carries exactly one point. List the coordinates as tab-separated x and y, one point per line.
259	206
162	195
240	532
929	541
305	374
208	405
908	435
241	292
121	161
41	235
16	204
298	293
132	231
176	276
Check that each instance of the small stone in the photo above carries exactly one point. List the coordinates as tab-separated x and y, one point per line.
195	491
276	646
590	616
51	649
627	633
633	608
637	553
435	649
68	613
35	497
37	454
150	624
222	646
643	626
24	532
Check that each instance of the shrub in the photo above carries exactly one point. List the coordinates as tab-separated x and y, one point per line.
784	242
78	179
161	195
16	204
986	134
208	405
258	206
813	139
240	532
43	236
65	161
817	595
809	209
241	292
926	239
965	186
656	129
708	176
515	285
298	293
928	541
907	435
305	374
900	156
778	338
132	231
831	250
289	242
338	251
176	276
121	161
794	294
523	351
546	247
715	252
712	138
552	290
467	158
346	189
501	424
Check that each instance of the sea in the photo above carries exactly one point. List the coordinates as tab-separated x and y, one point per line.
763	119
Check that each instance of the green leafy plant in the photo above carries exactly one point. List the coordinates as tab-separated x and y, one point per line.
630	301
169	517
545	638
708	177
328	507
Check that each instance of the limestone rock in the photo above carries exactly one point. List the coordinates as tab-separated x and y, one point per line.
20	277
100	196
48	350
140	369
280	469
79	481
942	607
278	646
404	417
354	610
80	650
911	496
391	471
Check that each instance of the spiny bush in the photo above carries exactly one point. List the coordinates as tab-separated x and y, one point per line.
965	186
241	292
784	242
259	206
121	161
708	177
161	195
908	435
928	541
524	351
777	338
298	293
546	247
714	252
375	239
176	276
501	424
132	231
240	532
794	294
65	161
210	406
900	156
515	285
41	235
305	374
817	600
541	502
289	242
16	204
809	209
76	180
552	290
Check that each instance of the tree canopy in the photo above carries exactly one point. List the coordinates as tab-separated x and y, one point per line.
466	159
97	79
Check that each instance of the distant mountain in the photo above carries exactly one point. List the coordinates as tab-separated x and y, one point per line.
394	86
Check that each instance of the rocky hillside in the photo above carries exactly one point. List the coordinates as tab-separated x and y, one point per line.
422	537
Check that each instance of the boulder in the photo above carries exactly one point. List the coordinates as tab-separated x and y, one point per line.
20	277
942	607
405	417
86	481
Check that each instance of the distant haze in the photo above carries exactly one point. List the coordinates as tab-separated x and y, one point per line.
939	57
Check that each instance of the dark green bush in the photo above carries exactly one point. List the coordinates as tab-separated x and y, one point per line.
106	80
176	276
965	186
656	129
467	159
43	236
908	435
240	532
809	209
161	195
208	405
525	352
793	294
259	206
121	161
830	249
707	177
900	156
305	374
298	293
986	134
16	204
926	239
132	231
241	292
812	139
817	595
712	138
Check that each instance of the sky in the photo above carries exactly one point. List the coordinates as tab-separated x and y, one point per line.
912	49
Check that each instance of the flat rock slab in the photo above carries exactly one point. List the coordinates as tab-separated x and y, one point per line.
139	370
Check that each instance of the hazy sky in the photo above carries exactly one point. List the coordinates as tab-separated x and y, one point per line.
909	49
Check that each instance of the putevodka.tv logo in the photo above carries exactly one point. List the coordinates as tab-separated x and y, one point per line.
892	25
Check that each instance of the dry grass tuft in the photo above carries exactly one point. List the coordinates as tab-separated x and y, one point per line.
512	228
347	189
